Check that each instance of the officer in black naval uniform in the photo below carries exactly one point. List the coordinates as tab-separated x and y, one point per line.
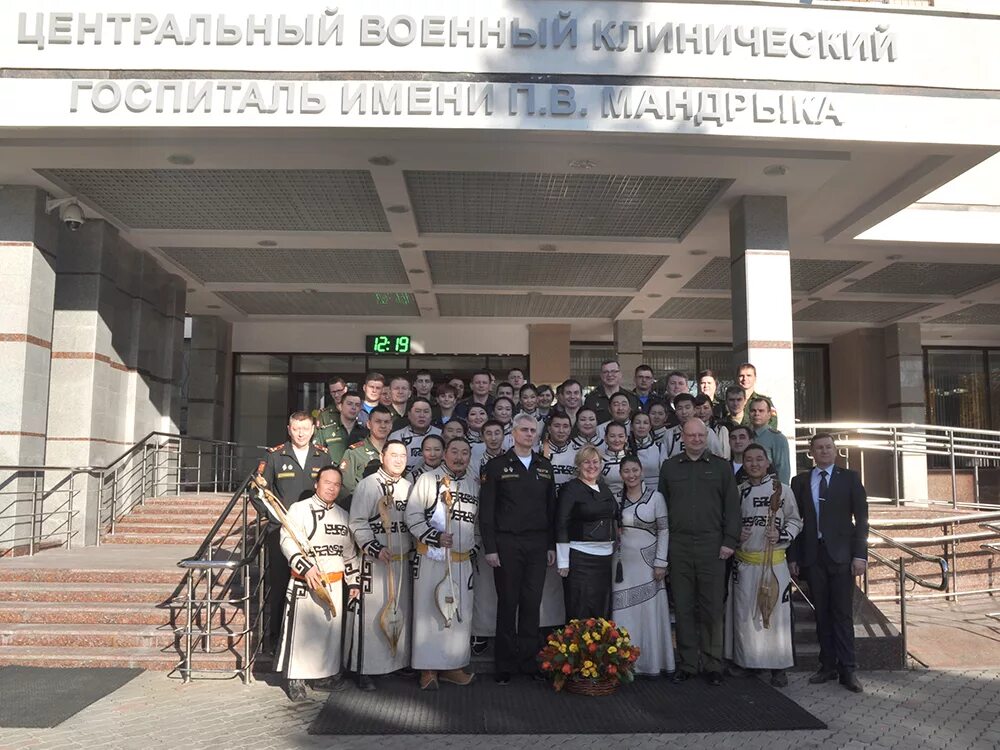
290	470
517	506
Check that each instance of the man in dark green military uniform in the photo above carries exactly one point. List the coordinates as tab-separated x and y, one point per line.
336	388
290	470
703	509
747	379
345	430
360	454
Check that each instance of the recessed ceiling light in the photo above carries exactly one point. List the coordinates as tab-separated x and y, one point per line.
775	170
967	301
191	290
214	307
422	291
654	295
699	252
427	309
309	291
673	275
534	294
181	160
582	164
925	317
548	248
638	312
415	270
814	299
946	335
397	209
267	243
850	280
408	245
382	161
893	257
709	330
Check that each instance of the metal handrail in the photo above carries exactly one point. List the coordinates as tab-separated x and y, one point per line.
202	567
919	580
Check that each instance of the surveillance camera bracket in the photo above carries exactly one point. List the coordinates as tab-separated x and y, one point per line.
51	204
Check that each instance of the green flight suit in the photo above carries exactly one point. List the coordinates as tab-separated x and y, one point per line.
703	512
772	422
776	445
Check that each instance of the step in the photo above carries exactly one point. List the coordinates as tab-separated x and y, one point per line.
168	514
147	593
138	658
130	525
62	575
109	613
92	635
131	537
208	501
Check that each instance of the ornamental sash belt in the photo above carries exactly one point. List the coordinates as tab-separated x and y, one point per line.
757	558
327	577
455	556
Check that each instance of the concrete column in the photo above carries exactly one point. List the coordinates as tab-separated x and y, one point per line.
208	375
628	348
548	350
28	248
762	299
906	399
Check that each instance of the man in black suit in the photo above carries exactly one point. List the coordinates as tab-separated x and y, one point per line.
831	551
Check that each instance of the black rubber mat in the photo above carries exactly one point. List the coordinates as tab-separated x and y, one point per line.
525	707
47	696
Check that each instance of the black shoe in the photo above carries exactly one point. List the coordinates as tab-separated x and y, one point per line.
333	684
714	678
502	678
779	678
297	691
735	670
850	681
479	645
823	675
366	683
406	672
680	676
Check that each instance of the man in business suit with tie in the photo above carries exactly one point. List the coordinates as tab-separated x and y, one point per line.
831	551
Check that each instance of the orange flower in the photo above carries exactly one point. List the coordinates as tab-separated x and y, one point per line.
567	669
612	669
546	665
592	647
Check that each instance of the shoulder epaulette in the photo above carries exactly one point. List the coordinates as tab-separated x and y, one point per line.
357	444
321	448
275	449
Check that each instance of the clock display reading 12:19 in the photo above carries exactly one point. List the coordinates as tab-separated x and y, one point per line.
387	344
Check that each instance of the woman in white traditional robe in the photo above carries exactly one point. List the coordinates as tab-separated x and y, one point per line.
749	644
312	635
641	444
484	615
372	652
658	422
431	455
503	412
639	595
559	449
586	430
441	513
615	442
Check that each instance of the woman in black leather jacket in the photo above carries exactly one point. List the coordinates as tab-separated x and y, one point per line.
587	521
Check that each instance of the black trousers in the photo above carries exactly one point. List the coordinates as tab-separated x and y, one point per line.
588	586
278	574
831	587
519	581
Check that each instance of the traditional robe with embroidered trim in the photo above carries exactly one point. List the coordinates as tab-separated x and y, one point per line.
414	443
650	456
748	643
312	638
435	645
639	602
553	610
370	652
611	471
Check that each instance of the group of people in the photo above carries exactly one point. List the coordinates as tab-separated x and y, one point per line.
436	523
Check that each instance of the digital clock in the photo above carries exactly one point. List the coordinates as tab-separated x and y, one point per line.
387	344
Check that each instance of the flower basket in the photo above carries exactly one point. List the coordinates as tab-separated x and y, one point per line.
589	657
582	686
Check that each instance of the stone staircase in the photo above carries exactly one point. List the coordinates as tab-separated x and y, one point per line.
114	605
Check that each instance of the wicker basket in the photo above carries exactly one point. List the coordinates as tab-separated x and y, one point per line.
585	686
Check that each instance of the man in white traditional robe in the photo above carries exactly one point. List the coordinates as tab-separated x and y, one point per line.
441	513
484	615
558	447
311	635
380	636
749	644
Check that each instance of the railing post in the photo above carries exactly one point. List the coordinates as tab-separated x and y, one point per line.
100	508
69	512
33	526
951	462
180	462
895	465
247	634
143	475
975	480
114	499
188	634
954	562
902	605
215	468
198	474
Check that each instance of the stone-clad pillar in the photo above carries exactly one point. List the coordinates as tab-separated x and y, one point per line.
762	299
548	350
906	399
28	249
208	374
628	348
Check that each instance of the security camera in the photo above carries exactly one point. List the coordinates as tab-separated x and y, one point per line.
70	212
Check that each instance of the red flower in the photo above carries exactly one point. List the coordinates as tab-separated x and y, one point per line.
592	647
567	668
612	669
546	665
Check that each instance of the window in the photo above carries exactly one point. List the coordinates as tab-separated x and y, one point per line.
957	391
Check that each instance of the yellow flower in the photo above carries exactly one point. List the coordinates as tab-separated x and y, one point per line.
586	637
572	647
562	649
588	664
553	643
612	650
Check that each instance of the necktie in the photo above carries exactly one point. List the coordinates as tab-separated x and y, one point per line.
823	484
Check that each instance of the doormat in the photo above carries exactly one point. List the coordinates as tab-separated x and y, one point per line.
46	696
525	707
